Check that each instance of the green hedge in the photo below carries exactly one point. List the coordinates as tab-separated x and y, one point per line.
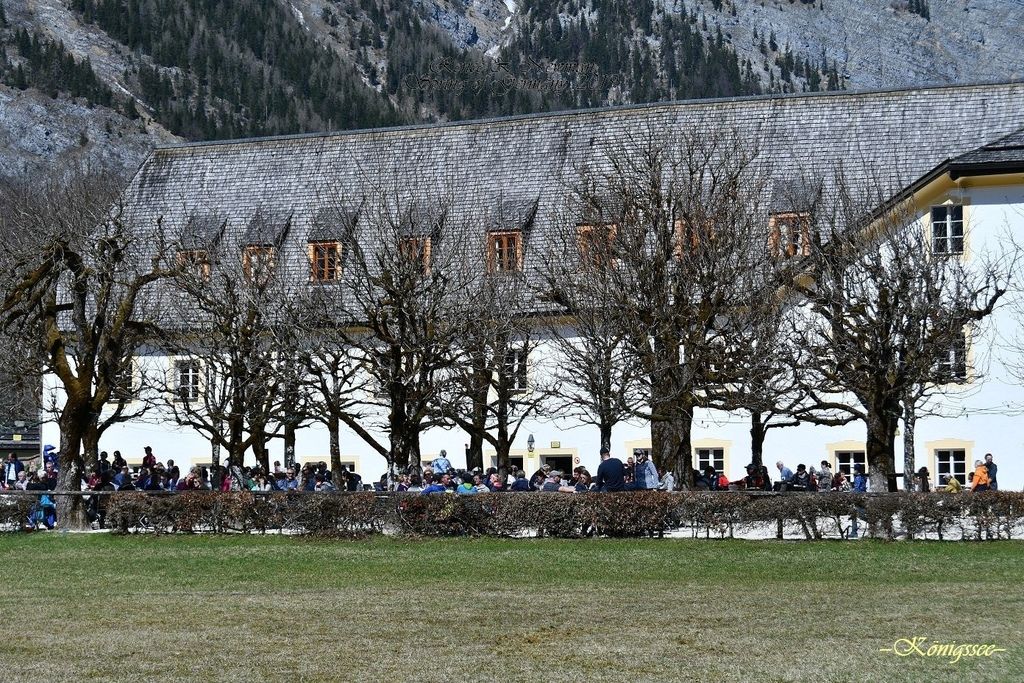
719	514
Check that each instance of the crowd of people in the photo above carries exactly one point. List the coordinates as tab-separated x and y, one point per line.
115	474
639	473
636	474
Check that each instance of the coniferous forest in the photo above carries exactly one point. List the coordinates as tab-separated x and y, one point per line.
214	69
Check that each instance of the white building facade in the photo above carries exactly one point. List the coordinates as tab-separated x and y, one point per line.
961	148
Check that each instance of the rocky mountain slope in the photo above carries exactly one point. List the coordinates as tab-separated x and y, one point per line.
104	80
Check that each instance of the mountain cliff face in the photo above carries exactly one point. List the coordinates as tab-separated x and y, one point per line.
102	81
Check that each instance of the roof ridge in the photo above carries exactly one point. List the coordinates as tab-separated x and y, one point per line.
565	113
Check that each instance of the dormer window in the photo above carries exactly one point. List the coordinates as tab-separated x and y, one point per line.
687	237
416	250
789	235
505	251
948	229
258	263
324	261
596	243
194	263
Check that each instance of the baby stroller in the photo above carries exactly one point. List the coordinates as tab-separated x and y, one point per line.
44	511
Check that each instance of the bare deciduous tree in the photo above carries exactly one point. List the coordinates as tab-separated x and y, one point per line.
77	280
678	224
231	347
396	311
887	318
493	389
597	380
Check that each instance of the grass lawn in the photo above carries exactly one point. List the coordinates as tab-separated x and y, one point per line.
231	608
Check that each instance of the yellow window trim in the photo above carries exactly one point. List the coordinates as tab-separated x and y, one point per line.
931	447
724	444
949	198
842	446
313	459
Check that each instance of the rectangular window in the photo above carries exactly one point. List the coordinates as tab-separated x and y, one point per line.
597	244
324	261
688	238
123	386
505	252
258	264
194	263
710	457
416	250
952	366
845	460
950	463
948	229
188	379
789	235
515	370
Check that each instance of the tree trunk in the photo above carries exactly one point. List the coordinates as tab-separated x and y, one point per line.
606	433
757	434
236	452
671	446
479	393
475	450
289	442
91	449
684	452
909	422
503	442
334	436
71	512
259	449
881	447
215	447
502	453
404	442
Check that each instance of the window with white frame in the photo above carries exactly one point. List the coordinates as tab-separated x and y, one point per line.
123	386
948	229
515	370
710	457
188	379
952	364
951	462
846	460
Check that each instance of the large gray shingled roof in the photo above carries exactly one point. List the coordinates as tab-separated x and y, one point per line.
501	169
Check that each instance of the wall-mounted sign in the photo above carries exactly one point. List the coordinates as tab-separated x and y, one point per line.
556	444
